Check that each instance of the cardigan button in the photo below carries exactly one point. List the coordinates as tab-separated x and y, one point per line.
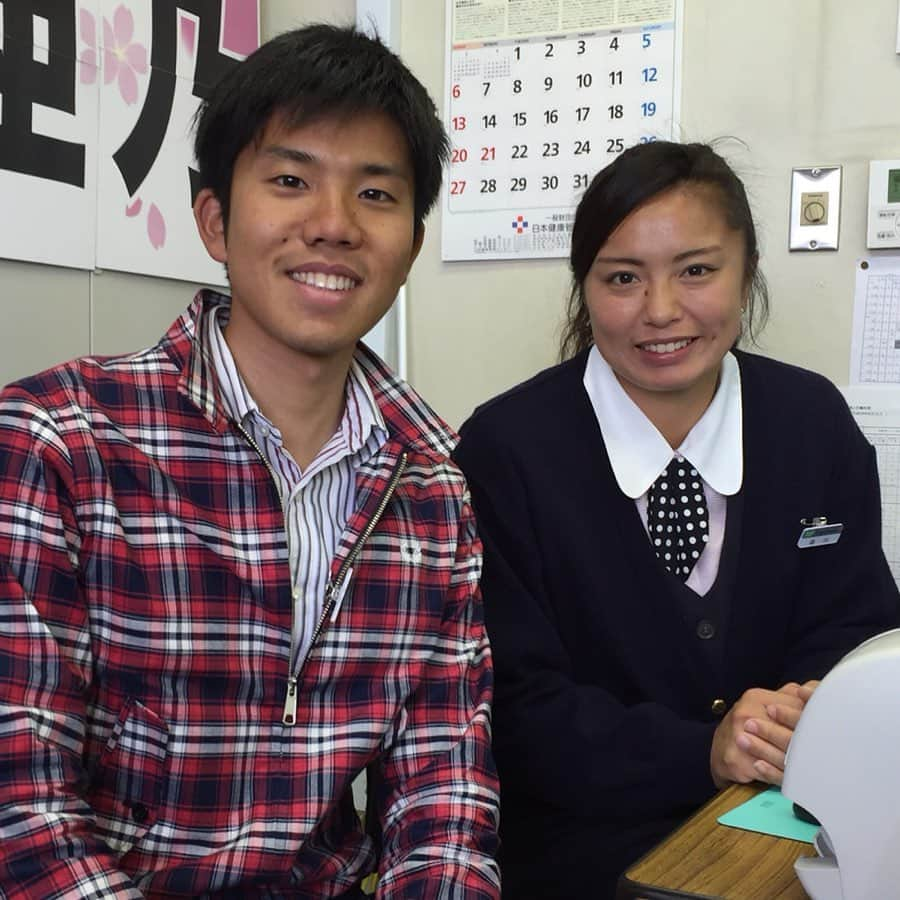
705	630
719	706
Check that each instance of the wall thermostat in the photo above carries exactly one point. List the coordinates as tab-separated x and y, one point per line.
884	204
815	208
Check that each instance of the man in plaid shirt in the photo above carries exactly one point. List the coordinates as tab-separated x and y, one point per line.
238	567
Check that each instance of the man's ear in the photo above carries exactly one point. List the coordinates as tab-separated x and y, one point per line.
211	224
418	239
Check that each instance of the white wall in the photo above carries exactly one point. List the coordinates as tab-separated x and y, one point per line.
803	82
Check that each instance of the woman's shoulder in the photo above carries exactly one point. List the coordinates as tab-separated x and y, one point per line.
773	377
546	403
551	386
790	399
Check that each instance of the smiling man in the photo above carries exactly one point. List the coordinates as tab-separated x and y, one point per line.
239	566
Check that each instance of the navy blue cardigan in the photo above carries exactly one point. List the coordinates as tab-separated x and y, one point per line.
603	713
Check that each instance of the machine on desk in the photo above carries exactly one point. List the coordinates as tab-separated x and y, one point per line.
843	766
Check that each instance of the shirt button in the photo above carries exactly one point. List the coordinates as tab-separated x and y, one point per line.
705	630
719	707
139	813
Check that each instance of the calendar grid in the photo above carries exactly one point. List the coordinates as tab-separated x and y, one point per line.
533	117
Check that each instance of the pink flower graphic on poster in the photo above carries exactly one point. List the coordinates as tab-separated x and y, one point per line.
88	56
156	227
123	59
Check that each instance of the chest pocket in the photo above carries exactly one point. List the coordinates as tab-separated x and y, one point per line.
127	782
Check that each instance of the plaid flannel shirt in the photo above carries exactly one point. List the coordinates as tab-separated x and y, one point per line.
146	605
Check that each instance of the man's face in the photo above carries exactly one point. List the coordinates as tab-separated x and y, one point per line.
320	236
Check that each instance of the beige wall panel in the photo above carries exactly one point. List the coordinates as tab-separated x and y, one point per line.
803	83
474	328
133	311
286	14
807	83
45	317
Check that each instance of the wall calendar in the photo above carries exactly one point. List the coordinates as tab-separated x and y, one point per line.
540	95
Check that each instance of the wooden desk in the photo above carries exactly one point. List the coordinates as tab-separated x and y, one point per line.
705	859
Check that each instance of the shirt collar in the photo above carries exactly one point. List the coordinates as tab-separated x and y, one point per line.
637	451
361	415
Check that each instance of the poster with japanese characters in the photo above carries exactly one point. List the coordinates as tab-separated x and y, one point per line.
96	103
541	95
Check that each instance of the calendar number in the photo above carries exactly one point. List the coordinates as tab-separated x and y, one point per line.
615	145
459	123
551	116
459	155
488	185
616	111
585	79
517	86
551	148
520	151
548	83
582	148
486	87
520	119
615	77
649	74
549	182
457	188
488	153
646	41
488	121
456	91
582	113
518	184
614	44
648	109
548	51
580	181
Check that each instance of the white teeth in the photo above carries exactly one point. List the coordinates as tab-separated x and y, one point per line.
321	280
670	347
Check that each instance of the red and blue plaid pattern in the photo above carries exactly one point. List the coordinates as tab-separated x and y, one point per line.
146	605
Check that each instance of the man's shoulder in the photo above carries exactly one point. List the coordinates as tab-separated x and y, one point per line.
408	417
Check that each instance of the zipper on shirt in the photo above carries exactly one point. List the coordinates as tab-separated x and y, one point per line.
332	591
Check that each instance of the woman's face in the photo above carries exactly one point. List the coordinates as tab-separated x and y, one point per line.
664	295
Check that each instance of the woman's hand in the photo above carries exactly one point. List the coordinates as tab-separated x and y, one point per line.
751	741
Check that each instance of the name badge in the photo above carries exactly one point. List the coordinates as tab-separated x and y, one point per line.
820	535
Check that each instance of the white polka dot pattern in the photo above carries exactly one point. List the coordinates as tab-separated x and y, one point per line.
677	517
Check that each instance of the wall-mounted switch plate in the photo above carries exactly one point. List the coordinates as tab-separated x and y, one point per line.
815	208
884	204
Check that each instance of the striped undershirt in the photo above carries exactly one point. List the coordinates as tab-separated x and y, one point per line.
317	502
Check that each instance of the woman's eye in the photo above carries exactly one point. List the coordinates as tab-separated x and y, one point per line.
622	278
697	269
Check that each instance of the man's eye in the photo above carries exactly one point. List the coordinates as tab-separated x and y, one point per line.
375	194
289	181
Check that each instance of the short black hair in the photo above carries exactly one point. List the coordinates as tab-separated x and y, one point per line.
311	73
636	176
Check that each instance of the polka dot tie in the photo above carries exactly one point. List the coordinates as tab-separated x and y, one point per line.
677	518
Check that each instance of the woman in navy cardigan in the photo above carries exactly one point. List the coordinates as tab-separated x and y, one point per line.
639	667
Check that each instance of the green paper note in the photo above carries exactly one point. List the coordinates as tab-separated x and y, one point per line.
770	813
